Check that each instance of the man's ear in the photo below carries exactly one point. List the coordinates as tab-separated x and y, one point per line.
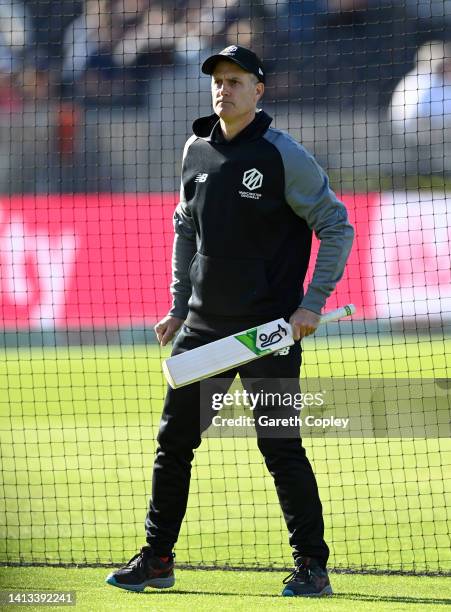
260	90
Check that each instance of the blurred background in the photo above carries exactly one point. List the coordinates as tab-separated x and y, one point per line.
99	95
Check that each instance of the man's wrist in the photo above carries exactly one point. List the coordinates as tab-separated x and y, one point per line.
178	313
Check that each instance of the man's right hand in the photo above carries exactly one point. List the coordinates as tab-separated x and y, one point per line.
167	328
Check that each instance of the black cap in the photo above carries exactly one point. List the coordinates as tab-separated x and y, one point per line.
245	58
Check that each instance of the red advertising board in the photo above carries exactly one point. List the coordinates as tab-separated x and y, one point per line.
356	286
84	260
103	260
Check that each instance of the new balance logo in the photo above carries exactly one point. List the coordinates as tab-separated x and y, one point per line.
282	352
201	178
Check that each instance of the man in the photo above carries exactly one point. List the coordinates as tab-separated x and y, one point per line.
250	198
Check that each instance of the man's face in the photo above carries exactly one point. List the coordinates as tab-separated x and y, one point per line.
234	91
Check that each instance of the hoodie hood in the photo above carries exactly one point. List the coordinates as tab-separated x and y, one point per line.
209	128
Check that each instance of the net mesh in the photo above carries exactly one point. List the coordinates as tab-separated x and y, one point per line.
96	103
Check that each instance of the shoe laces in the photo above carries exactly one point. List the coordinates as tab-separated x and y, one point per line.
139	559
301	573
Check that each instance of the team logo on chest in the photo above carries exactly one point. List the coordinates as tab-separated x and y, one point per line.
252	180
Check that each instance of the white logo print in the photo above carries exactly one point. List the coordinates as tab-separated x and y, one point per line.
252	179
282	352
230	49
201	178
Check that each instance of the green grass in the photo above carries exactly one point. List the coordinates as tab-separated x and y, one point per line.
78	430
232	591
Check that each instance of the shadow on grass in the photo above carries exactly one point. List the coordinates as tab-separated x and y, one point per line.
342	595
394	598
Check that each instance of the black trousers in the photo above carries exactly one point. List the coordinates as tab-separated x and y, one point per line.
285	458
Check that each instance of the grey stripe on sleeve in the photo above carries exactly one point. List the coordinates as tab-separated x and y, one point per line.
308	193
183	251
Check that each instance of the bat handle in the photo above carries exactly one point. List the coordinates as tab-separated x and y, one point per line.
339	313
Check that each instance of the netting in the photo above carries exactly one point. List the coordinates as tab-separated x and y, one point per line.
96	102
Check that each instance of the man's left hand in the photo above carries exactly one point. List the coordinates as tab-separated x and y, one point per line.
304	322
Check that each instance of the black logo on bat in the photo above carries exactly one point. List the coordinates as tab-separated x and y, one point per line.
273	338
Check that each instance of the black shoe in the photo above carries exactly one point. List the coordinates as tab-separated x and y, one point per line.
308	579
143	570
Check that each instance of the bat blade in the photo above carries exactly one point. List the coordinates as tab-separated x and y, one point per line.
222	355
235	350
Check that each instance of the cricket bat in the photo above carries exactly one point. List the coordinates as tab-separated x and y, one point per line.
222	355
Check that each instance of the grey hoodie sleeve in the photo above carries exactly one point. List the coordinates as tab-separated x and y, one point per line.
183	251
308	193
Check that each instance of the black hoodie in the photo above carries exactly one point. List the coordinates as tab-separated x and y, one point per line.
245	219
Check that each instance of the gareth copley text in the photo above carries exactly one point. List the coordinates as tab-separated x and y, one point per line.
293	421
